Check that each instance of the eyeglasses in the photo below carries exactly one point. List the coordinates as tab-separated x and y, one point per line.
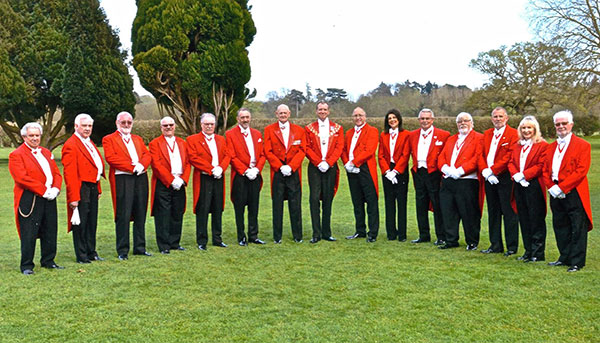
208	124
463	121
126	122
425	118
167	125
563	123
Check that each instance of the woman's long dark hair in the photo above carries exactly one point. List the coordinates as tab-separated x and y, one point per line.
386	125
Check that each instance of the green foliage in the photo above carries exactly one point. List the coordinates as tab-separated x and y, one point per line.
192	56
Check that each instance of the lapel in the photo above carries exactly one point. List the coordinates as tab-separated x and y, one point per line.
242	139
204	144
567	155
278	133
84	150
33	160
465	145
362	135
290	139
164	148
433	140
386	144
332	128
121	144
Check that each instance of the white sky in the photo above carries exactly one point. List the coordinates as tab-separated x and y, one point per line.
356	44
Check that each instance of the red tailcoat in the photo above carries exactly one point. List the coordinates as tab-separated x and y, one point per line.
276	152
401	152
364	151
573	171
503	151
201	158
534	164
29	175
161	164
117	156
335	146
240	156
435	148
78	167
468	157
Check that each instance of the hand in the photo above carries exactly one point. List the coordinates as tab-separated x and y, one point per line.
54	193
138	169
447	170
555	191
486	173
355	170
323	166
251	173
286	170
492	179
75	218
349	166
391	176
177	183
217	172
73	204
524	183
518	177
562	195
48	194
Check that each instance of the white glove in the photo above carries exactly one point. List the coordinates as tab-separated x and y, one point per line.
349	166
355	170
446	169
51	193
391	175
252	173
75	219
562	196
524	183
138	169
323	166
286	170
555	191
217	172
518	177
177	183
492	179
459	172
486	173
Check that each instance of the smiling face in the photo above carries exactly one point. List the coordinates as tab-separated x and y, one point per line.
322	111
32	137
499	118
208	125
167	126
124	123
393	121
359	116
244	118
562	125
527	130
84	128
464	124
282	114
425	120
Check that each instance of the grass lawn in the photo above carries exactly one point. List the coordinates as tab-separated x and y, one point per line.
344	291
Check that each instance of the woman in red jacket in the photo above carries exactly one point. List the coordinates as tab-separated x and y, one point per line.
525	167
393	156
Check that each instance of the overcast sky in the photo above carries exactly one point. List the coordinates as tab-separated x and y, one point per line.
356	44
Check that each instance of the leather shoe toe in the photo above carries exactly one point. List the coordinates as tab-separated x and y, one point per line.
242	243
202	247
371	240
277	241
330	239
490	251
145	253
471	247
556	264
439	242
28	272
54	266
573	269
165	252
314	240
354	236
220	245
98	258
84	261
419	240
180	248
123	258
509	252
258	241
298	240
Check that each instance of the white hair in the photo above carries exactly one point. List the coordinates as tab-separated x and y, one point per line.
283	106
31	125
121	114
462	114
207	115
167	119
562	114
83	116
426	110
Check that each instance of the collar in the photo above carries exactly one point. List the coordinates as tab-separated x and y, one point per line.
428	131
86	140
358	128
499	131
392	131
33	150
209	137
169	139
284	126
323	122
524	142
566	139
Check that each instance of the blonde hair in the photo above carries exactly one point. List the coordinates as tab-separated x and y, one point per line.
537	135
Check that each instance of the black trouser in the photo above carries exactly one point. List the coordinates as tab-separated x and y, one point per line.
287	187
246	192
531	206
427	190
37	219
84	234
570	224
169	206
362	190
459	200
210	201
498	202
395	204
132	202
322	188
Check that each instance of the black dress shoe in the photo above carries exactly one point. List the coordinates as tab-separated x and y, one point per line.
28	272
354	236
439	242
123	258
242	243
258	241
298	240
145	253
509	252
202	247
402	240
97	258
419	240
556	264
490	251
53	266
165	252
83	261
314	240
220	245
523	258
180	248
371	240
471	247
573	269
330	239
447	246
391	238
277	241
533	259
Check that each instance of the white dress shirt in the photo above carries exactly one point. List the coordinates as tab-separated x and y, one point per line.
174	156
94	153
425	138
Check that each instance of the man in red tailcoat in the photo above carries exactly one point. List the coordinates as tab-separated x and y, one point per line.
37	184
